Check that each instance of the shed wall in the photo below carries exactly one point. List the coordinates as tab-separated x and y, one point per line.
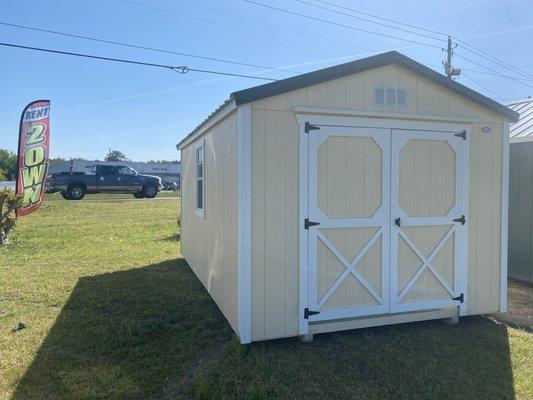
209	244
521	211
275	178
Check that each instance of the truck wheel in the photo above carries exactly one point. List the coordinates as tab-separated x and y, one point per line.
138	195
149	191
65	195
76	192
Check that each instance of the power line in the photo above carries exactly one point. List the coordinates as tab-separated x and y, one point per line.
491	58
500	75
164	10
382	18
369	20
144	47
182	69
465	45
337	23
498	96
492	70
274	25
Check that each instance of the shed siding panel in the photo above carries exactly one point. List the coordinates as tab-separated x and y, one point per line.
210	244
520	211
275	228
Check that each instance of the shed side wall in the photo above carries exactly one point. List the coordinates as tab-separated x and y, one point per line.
275	179
521	211
209	244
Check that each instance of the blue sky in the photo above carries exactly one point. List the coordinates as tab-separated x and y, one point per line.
145	111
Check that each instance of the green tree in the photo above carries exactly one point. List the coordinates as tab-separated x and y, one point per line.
8	164
164	161
3	176
115	155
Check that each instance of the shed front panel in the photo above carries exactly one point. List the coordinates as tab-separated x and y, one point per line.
275	195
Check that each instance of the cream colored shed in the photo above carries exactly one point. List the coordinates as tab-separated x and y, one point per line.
368	193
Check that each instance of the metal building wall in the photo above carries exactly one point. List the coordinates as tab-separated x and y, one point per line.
521	211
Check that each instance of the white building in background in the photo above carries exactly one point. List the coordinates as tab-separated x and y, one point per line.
167	172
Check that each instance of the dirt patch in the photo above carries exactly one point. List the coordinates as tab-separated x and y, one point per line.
201	367
519	305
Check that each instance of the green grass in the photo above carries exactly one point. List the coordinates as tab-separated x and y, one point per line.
110	196
113	312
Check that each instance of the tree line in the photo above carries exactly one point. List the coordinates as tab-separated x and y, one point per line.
8	162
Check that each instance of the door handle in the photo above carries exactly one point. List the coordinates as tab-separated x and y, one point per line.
398	222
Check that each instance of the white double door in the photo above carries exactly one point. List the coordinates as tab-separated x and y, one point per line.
387	221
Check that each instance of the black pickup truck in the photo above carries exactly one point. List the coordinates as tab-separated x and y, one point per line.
104	179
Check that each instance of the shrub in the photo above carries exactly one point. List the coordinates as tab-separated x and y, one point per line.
9	202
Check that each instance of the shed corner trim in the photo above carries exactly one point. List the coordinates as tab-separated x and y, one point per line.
244	222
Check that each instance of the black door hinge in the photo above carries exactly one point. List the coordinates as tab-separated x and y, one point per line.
460	298
462	220
461	135
398	222
308	127
308	223
308	313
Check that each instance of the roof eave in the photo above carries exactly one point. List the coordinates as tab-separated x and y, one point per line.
353	67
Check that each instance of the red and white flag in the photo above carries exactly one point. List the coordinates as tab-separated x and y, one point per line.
33	155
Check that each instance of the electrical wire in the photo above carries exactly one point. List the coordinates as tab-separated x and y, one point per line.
464	45
337	24
498	96
493	59
164	10
382	18
499	75
369	20
273	25
182	69
144	47
492	70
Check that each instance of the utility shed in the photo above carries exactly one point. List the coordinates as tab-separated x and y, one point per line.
368	193
521	193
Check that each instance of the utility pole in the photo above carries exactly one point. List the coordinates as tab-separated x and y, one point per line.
448	68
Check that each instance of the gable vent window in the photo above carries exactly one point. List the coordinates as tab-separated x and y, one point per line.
390	97
379	96
401	95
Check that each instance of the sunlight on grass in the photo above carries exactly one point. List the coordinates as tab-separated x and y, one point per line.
113	312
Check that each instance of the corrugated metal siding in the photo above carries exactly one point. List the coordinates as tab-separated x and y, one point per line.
521	211
523	129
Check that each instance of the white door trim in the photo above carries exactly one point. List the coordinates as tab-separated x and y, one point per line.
329	120
379	220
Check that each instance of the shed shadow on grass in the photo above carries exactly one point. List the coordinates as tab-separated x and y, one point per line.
125	335
138	334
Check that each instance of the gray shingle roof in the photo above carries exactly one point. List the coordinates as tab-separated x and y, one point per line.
352	67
